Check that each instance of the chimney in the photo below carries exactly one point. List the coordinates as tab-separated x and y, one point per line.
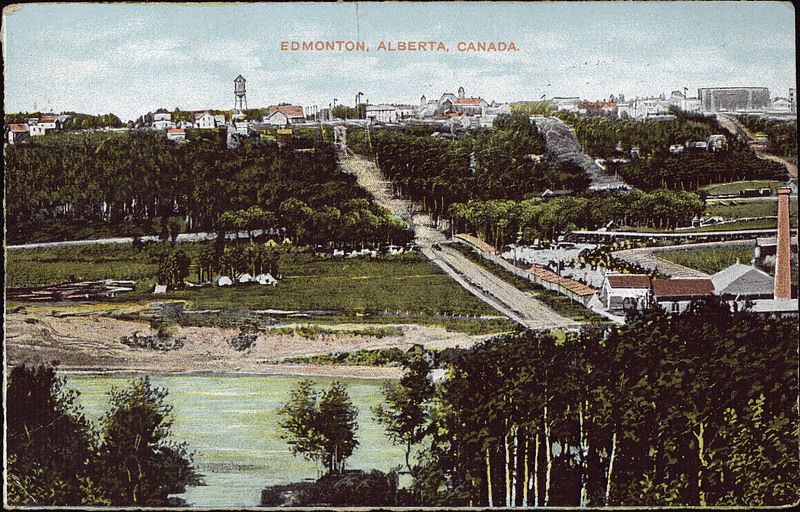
783	269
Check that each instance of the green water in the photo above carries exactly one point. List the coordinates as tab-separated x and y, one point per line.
231	423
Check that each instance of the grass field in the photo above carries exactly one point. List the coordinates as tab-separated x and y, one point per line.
392	289
79	263
709	261
741	209
738	186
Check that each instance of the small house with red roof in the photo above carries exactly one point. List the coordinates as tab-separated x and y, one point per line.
283	115
470	106
176	134
675	295
18	133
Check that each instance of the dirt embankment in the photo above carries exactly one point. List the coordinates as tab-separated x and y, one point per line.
82	340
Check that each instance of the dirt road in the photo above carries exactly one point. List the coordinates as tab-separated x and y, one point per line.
520	306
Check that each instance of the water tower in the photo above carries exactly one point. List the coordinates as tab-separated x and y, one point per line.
238	90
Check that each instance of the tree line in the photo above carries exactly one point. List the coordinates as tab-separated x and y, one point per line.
655	167
782	135
76	122
128	177
500	163
500	222
690	409
56	457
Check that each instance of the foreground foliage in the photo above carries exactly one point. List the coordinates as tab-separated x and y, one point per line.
57	458
683	410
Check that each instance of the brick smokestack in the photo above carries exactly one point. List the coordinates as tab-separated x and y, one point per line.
783	269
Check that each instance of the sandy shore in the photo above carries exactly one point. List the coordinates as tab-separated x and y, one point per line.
90	343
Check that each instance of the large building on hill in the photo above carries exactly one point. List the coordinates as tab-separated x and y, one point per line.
734	99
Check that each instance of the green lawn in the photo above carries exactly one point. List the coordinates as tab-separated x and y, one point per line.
738	186
404	288
79	263
739	209
709	261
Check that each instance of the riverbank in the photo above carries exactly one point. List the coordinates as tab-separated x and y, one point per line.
82	340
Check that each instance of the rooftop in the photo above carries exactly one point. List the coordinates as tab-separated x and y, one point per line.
682	287
629	280
288	110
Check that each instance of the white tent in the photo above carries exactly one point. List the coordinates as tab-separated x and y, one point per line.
224	281
245	278
265	279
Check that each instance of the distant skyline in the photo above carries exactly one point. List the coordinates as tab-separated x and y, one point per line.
129	59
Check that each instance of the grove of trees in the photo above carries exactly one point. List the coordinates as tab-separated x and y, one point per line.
782	135
491	164
656	167
692	409
499	221
321	426
56	457
124	178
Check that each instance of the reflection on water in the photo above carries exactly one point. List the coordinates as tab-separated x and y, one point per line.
231	423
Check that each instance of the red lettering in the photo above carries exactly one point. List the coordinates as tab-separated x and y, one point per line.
512	47
349	46
482	47
423	46
412	46
360	45
401	46
501	46
308	45
319	46
381	46
441	47
284	45
329	45
462	46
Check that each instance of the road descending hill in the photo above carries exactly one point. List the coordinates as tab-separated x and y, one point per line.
520	306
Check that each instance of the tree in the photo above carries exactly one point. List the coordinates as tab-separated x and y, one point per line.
406	415
321	426
139	465
49	442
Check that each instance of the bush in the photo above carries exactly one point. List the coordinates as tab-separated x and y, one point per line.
355	488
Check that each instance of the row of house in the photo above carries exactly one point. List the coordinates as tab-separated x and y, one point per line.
624	293
708	100
20	133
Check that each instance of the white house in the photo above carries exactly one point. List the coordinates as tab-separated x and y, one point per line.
34	128
18	134
204	120
382	113
282	115
624	292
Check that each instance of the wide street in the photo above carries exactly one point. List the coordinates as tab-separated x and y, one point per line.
520	306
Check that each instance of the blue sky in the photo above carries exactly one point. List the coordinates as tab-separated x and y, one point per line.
133	58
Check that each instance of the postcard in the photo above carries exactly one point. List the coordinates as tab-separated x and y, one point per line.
400	254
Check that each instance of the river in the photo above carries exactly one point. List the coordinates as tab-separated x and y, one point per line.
230	421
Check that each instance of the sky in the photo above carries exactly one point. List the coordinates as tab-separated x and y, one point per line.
129	59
